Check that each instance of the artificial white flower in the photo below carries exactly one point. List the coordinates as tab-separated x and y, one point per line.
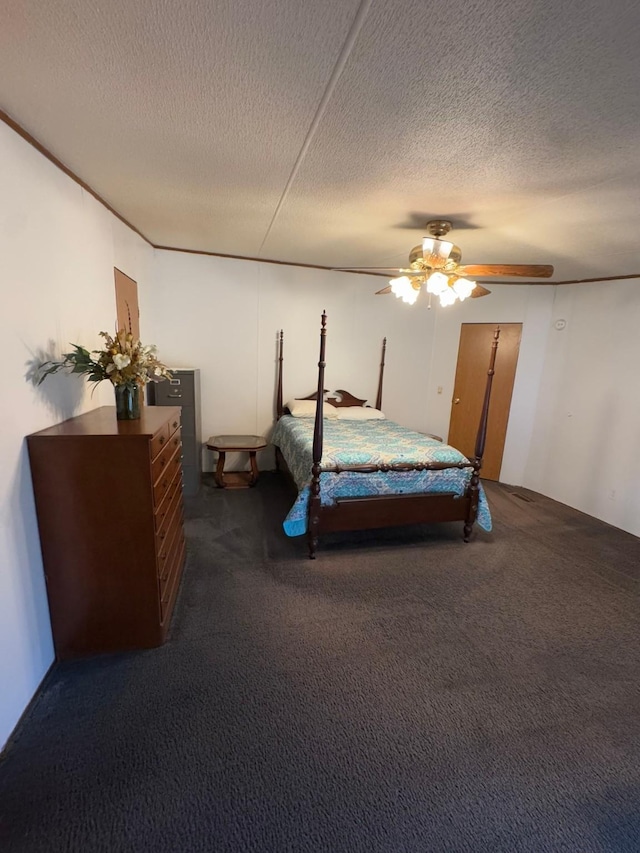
121	361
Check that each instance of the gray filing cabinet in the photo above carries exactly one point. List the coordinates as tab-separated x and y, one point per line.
183	390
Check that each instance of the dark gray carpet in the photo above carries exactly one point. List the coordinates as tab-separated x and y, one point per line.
405	692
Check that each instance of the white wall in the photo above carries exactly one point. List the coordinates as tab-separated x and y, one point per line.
587	428
58	247
223	316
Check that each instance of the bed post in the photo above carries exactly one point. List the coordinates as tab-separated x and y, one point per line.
379	397
314	497
474	485
279	405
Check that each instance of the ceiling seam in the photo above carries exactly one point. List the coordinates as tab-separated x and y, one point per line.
338	68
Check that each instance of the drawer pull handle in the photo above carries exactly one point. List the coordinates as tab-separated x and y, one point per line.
175	423
161	439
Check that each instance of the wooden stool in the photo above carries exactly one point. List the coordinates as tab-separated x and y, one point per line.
224	444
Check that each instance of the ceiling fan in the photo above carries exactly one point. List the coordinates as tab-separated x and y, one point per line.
436	262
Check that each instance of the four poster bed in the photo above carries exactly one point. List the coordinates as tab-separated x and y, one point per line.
356	470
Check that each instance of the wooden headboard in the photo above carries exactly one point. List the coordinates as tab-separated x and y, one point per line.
345	398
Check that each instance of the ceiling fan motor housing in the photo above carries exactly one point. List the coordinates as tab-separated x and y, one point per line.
416	258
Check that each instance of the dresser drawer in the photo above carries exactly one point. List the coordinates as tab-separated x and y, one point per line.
159	440
163	511
159	463
170	563
172	501
174	423
169	589
166	546
161	486
174	466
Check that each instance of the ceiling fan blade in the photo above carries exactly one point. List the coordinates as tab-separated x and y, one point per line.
372	269
590	280
524	270
524	283
479	291
569	280
383	291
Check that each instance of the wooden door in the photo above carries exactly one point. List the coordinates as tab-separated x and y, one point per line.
127	311
468	393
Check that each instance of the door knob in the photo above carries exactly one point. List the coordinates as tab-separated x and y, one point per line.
456	401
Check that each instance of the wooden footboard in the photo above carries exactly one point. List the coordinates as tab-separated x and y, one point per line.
368	513
392	511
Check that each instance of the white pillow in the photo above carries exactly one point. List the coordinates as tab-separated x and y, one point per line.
307	409
359	413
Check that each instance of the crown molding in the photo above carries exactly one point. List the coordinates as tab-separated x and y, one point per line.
67	171
70	174
262	260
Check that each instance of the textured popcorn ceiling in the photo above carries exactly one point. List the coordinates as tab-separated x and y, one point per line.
317	131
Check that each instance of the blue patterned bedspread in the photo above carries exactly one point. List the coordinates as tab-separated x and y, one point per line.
373	442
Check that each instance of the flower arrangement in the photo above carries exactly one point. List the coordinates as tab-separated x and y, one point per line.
123	361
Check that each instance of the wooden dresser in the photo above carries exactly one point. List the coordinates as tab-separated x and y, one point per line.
109	503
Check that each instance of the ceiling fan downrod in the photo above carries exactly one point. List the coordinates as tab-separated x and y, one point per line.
439	227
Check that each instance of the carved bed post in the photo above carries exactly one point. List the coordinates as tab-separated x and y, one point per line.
474	485
279	404
379	396
314	497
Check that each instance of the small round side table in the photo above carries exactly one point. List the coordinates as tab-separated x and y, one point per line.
224	444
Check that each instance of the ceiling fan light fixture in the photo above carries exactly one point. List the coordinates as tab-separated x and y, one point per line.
398	285
462	287
437	283
403	289
436	252
447	297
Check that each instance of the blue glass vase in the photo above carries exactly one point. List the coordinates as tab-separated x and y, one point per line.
127	402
